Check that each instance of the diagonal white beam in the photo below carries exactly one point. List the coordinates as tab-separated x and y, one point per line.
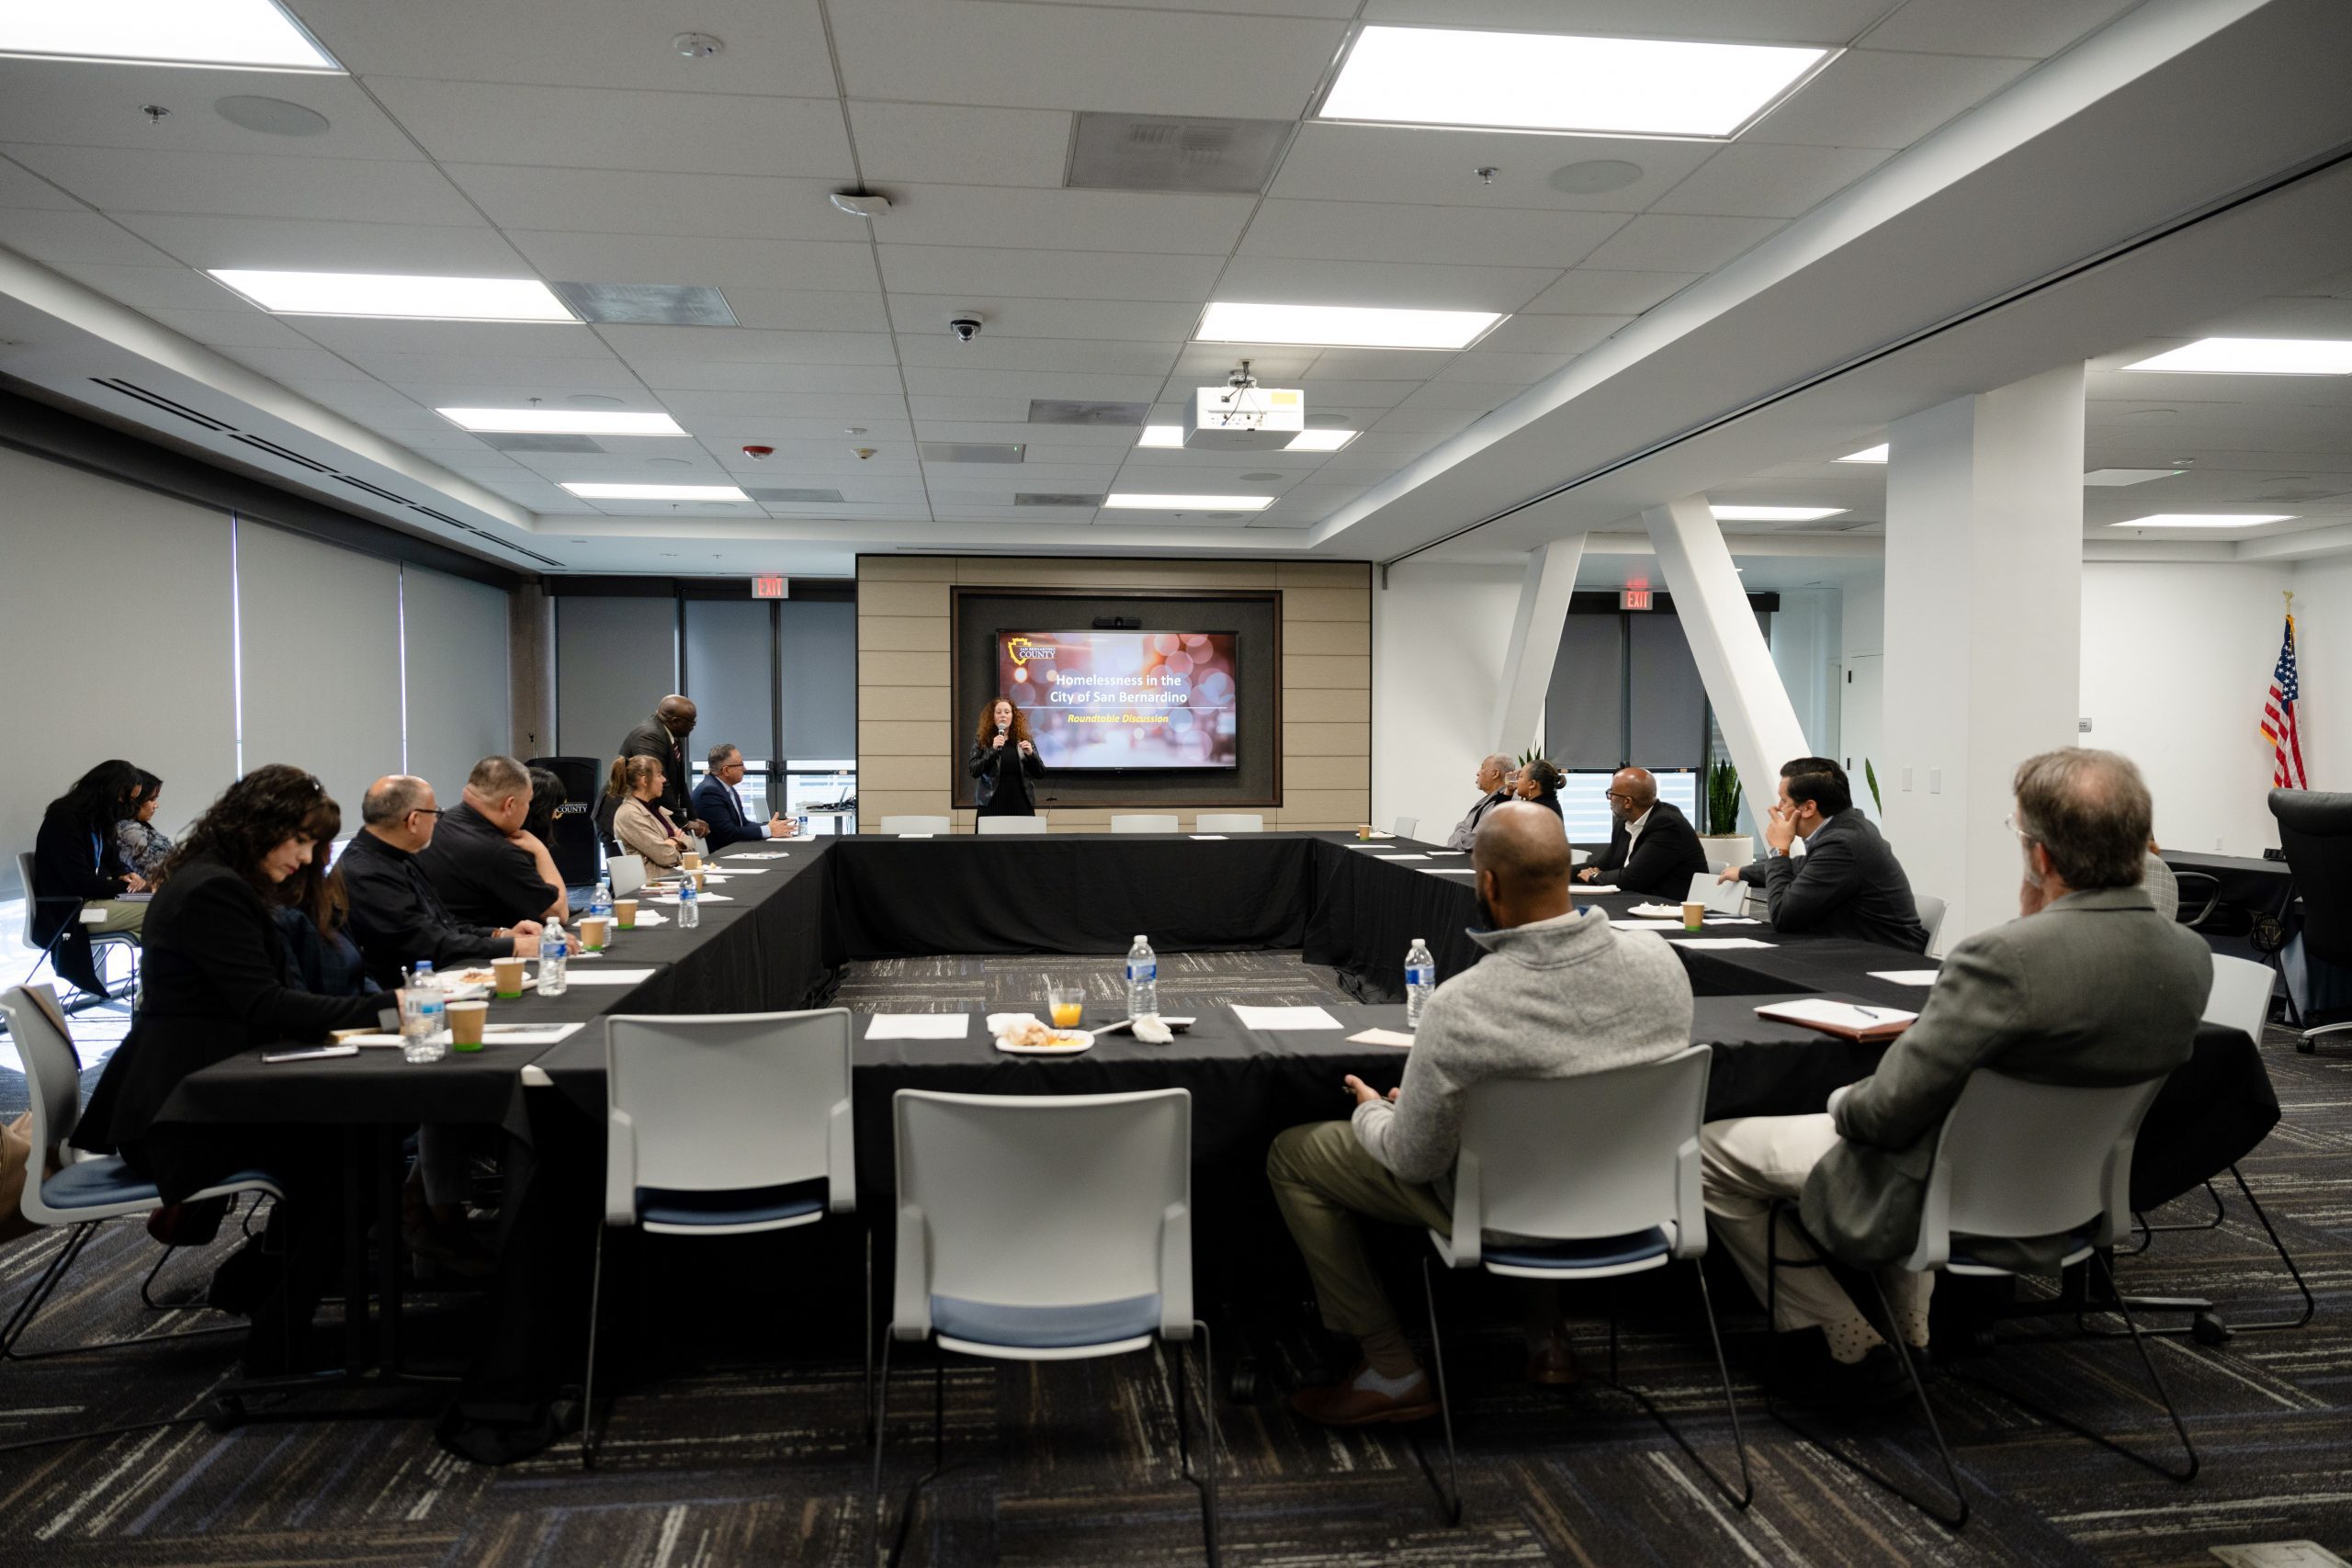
1534	646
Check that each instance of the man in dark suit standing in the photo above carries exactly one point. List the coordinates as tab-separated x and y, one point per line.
1653	848
663	738
716	803
1847	882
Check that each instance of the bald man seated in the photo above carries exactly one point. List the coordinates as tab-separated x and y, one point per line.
663	738
1557	995
1653	848
397	915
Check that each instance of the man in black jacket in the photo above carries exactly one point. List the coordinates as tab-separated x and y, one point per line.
1847	882
397	918
663	736
1653	848
483	877
718	804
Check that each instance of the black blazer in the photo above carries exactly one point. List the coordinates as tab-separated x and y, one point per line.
397	918
484	878
214	984
69	870
715	804
1665	858
650	740
985	764
1849	884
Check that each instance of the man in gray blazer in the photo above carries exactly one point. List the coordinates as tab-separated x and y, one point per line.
2090	986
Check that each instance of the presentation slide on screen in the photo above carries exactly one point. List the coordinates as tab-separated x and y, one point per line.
1124	699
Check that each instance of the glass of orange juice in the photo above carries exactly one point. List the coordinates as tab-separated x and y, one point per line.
1068	1003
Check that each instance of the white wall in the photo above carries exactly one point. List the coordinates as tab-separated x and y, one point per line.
2323	659
1806	632
1440	633
459	698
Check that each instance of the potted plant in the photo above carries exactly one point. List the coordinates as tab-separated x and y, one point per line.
1719	832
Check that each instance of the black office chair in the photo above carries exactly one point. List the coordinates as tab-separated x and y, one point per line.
2315	832
574	844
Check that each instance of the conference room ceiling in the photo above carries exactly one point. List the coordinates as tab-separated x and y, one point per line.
566	140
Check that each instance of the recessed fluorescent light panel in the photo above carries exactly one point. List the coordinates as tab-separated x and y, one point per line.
1775	513
1162	435
1867	455
1607	86
2255	356
1129	501
560	422
388	294
2206	520
1343	326
656	493
1319	440
165	32
2129	476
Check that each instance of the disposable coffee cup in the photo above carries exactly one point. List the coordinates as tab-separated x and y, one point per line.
625	911
595	932
700	884
507	976
1693	916
690	860
465	1024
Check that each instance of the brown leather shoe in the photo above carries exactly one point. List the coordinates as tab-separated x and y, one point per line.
1342	1403
1554	1363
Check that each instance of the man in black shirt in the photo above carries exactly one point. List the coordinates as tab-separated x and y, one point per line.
396	915
483	874
663	736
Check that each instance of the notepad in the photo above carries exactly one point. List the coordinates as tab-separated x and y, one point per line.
529	1034
1592	887
1380	1037
1400	857
1724	942
919	1026
1277	1020
610	976
1905	977
1847	1020
1443	854
1446	871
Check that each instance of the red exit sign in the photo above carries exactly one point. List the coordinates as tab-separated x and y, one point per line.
1633	599
771	588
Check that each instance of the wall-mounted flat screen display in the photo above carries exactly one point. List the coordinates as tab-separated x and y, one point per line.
1114	700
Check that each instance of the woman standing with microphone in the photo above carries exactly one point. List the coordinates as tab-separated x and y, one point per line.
1003	761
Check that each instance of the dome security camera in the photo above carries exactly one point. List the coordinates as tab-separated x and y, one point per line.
966	328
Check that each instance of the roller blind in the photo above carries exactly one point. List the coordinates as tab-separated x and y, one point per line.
1584	718
320	661
614	660
1670	705
730	659
820	653
455	646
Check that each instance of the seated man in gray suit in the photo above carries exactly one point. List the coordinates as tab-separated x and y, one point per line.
2089	986
1847	882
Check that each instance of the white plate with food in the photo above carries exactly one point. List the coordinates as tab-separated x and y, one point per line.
1031	1038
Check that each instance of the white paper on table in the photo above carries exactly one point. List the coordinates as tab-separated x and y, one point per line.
1446	871
699	898
764	854
610	976
1380	1037
1592	887
1400	857
1280	1019
369	1040
1444	854
528	1034
1724	942
746	870
1716	920
1674	925
1206	836
1905	977
914	835
1843	1015
919	1026
1656	910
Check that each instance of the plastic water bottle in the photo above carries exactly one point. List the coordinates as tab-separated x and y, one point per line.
555	955
1421	979
424	1017
689	908
600	903
1143	980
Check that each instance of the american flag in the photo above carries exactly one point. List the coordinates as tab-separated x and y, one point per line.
2278	718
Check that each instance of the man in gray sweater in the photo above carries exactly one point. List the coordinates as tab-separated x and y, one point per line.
1557	995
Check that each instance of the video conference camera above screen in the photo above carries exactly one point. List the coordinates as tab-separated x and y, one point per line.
1112	700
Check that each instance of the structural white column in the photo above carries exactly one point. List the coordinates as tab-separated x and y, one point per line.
1534	648
1752	707
1983	630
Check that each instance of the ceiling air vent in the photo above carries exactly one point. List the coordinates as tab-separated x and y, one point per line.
282	454
377	490
971	452
647	304
157	401
787	497
1136	151
539	443
1054	498
1071	410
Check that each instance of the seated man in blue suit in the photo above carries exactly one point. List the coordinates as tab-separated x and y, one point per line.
717	803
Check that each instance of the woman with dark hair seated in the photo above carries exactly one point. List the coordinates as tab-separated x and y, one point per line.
76	863
537	831
142	846
1539	784
608	806
314	914
215	985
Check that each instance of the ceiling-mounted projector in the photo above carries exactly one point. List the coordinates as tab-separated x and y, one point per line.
1242	416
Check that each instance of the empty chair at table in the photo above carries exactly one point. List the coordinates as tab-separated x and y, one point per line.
1144	822
1230	822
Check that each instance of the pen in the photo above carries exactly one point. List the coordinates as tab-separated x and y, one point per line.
1866	1012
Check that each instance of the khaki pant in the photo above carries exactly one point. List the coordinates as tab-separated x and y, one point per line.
121	915
1323	1180
1752	1161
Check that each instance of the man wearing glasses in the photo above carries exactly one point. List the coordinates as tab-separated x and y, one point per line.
1653	848
396	915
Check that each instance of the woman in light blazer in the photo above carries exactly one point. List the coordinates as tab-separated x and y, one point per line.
641	824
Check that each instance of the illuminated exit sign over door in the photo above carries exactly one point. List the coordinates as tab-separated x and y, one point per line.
771	588
1633	599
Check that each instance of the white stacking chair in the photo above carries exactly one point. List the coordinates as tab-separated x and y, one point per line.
1230	822
100	942
2018	1161
1931	915
725	1125
1046	1228
628	872
1144	822
1590	1178
1008	825
915	824
1408	826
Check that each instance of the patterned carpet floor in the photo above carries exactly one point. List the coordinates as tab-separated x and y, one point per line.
716	1456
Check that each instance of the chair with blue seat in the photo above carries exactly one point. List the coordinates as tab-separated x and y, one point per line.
1583	1178
2019	1161
1046	1228
725	1125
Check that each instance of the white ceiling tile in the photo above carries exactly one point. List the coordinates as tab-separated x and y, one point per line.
22	187
1469	398
1591	291
1209	362
609	201
1098	442
810	310
294	366
720	345
928	343
1048	274
250	185
524	340
772	46
74	238
1152	321
710	261
1875	98
1377	363
1164	221
1271	280
1422	419
1400	163
691	406
1659	242
479	392
968	409
241	328
90	104
484	122
303	243
1060	57
1323	396
1551	335
942	382
168	286
2026	28
1382	232
1514	369
1748	21
720	375
588	372
948	144
1758	179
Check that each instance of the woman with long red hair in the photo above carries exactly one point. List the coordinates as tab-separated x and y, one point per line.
1003	761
